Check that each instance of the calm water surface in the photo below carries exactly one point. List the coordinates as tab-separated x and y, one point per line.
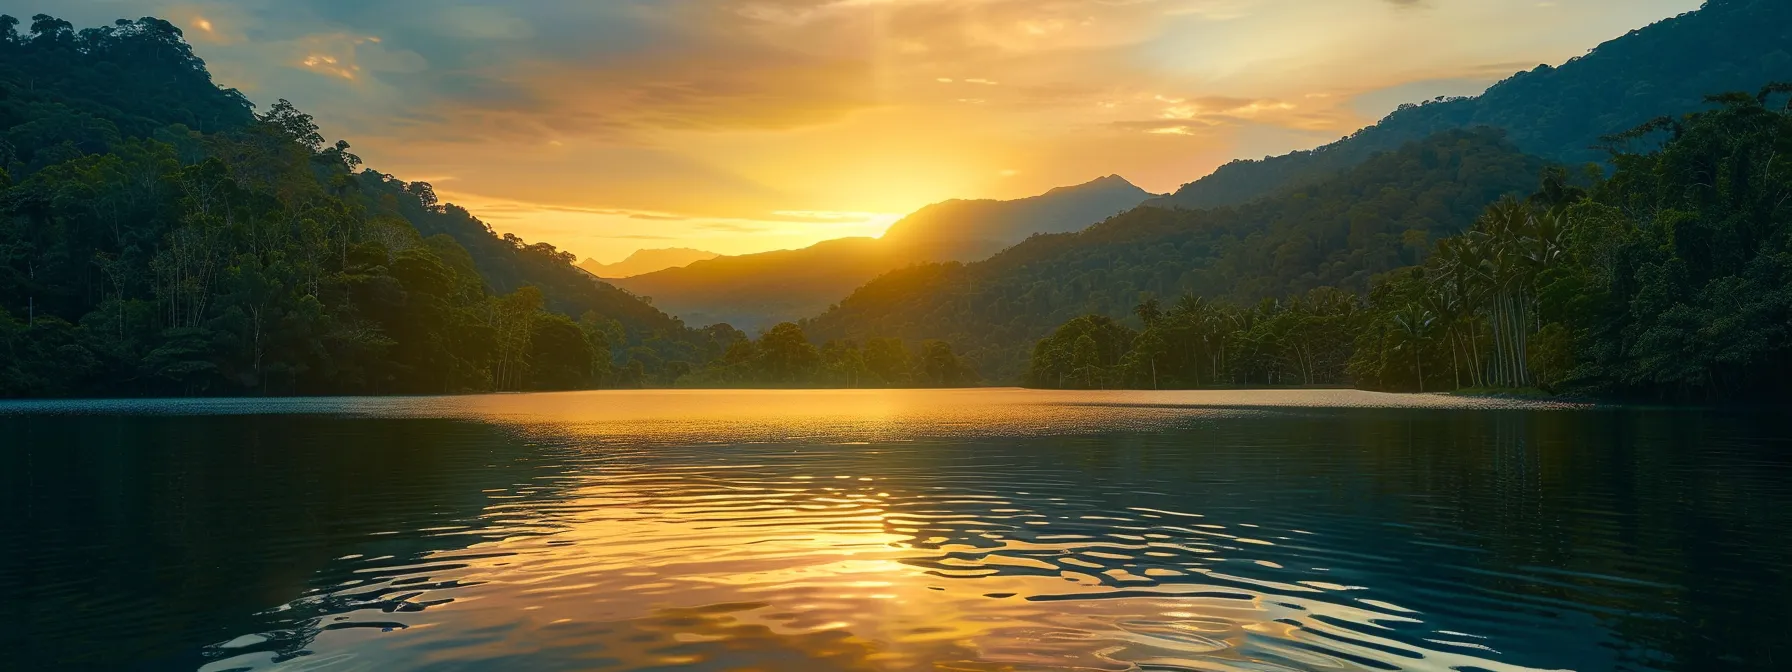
966	530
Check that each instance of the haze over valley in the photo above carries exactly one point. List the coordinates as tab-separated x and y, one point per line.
641	262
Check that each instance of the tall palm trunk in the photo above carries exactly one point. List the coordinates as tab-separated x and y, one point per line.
1455	367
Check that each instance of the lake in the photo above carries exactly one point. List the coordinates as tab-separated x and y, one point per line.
899	530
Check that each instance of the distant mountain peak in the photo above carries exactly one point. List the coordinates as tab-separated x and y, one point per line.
1108	183
645	261
758	290
978	228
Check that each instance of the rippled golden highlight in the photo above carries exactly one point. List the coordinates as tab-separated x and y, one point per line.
783	551
654	416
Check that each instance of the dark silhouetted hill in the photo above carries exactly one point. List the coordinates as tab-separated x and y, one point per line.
1559	113
758	290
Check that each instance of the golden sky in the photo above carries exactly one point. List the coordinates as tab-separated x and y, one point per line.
604	126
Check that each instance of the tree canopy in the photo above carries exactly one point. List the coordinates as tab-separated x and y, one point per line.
157	236
1671	279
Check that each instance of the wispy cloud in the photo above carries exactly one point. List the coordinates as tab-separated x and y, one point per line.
594	121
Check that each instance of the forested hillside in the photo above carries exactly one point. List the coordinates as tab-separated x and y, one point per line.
1556	112
784	357
1670	280
159	237
1378	216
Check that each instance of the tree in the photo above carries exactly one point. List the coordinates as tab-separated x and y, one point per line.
170	241
941	368
512	319
785	355
294	125
888	360
1416	328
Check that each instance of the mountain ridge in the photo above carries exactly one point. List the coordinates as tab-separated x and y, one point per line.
643	261
757	290
1375	217
1556	112
1220	236
1001	223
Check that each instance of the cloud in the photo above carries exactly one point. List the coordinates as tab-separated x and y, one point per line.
1213	115
1220	107
540	72
593	119
1165	126
733	227
512	207
351	57
832	216
523	72
483	23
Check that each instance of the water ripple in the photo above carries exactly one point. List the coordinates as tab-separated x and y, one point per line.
988	530
897	569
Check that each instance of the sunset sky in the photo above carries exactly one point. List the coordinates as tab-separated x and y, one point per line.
604	126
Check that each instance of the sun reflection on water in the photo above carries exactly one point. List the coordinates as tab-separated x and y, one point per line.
833	531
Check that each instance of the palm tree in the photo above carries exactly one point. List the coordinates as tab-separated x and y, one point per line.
1416	327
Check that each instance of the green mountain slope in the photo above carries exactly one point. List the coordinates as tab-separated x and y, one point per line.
1559	113
159	237
1671	279
1374	217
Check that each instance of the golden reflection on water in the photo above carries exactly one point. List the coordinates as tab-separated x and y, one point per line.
644	552
783	415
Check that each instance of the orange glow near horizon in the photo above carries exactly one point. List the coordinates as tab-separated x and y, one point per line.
610	127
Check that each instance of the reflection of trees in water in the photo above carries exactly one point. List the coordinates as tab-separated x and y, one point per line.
1517	465
182	526
1669	529
1714	520
1671	532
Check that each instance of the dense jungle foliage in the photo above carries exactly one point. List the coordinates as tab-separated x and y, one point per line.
1671	279
157	236
783	357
